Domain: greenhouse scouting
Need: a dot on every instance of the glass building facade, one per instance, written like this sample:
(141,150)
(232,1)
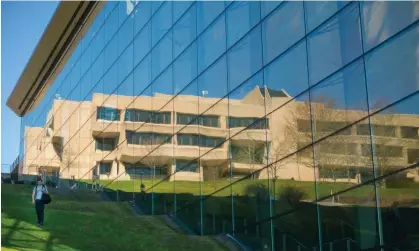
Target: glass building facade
(287,125)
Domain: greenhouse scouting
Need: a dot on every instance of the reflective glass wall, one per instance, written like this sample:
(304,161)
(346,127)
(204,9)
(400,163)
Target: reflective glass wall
(287,125)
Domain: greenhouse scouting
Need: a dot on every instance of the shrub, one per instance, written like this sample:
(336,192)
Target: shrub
(7,180)
(292,194)
(260,191)
(401,183)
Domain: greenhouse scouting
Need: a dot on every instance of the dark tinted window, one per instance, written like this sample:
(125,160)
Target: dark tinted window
(328,126)
(412,155)
(105,144)
(142,170)
(303,125)
(105,168)
(251,123)
(148,116)
(378,130)
(192,119)
(337,172)
(187,165)
(409,132)
(146,138)
(382,150)
(339,148)
(108,113)
(199,140)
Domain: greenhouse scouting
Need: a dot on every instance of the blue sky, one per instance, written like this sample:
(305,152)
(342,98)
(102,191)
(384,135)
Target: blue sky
(22,25)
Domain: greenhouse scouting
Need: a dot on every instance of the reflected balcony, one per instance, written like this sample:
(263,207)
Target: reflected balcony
(48,163)
(148,127)
(246,167)
(203,130)
(103,128)
(135,153)
(186,176)
(256,135)
(164,154)
(105,155)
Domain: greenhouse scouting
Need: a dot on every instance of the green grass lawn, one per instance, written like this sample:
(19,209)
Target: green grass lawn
(81,221)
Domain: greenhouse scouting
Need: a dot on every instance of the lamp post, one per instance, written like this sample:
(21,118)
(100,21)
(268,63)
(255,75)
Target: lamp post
(142,185)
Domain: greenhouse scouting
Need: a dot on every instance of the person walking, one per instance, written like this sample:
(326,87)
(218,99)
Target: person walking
(37,193)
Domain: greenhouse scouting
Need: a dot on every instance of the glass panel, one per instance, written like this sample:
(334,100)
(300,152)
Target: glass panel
(390,148)
(111,53)
(217,209)
(247,148)
(397,211)
(98,43)
(339,101)
(241,17)
(213,82)
(184,31)
(288,74)
(125,64)
(185,67)
(188,174)
(213,103)
(110,80)
(125,33)
(245,59)
(353,227)
(381,20)
(164,85)
(111,25)
(155,5)
(125,9)
(142,15)
(268,6)
(162,21)
(282,29)
(97,70)
(142,44)
(211,44)
(142,166)
(142,76)
(161,55)
(343,161)
(179,9)
(251,205)
(398,75)
(207,13)
(318,12)
(334,44)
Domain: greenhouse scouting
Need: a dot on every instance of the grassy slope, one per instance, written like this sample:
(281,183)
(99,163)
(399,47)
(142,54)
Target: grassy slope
(82,222)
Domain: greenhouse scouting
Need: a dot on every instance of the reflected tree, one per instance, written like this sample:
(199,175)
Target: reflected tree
(385,154)
(321,117)
(251,153)
(68,162)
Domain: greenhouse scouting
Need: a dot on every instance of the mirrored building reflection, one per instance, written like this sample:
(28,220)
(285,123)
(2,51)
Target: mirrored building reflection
(262,135)
(281,125)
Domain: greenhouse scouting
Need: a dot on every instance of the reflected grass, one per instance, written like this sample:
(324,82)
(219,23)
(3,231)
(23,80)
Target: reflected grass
(324,189)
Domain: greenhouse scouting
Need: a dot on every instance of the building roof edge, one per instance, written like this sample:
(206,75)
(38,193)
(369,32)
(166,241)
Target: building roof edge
(69,23)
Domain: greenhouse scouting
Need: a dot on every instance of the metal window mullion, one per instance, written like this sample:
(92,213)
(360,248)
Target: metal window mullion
(319,229)
(377,194)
